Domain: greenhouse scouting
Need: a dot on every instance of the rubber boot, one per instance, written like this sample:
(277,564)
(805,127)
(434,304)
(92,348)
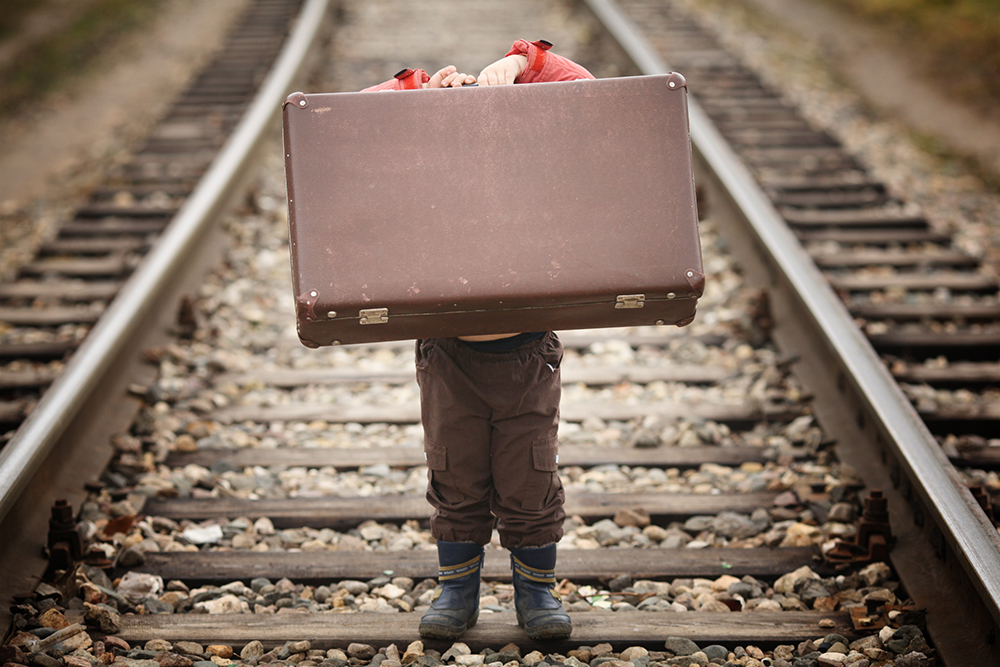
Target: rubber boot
(539,610)
(455,608)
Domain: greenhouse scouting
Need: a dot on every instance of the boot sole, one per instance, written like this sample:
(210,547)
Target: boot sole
(440,632)
(557,630)
(437,631)
(551,632)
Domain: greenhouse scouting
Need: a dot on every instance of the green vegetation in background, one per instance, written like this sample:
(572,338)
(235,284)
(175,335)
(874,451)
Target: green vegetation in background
(67,51)
(962,37)
(12,12)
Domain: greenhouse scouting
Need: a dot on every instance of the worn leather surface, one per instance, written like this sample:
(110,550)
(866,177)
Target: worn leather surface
(491,210)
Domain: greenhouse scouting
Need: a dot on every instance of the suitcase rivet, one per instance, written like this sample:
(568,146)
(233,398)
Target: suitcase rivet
(302,103)
(661,322)
(313,293)
(672,84)
(690,274)
(332,314)
(335,342)
(671,295)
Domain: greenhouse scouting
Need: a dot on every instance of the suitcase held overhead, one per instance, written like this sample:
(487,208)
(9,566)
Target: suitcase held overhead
(485,210)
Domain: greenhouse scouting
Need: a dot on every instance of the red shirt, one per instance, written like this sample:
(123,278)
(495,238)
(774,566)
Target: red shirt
(543,65)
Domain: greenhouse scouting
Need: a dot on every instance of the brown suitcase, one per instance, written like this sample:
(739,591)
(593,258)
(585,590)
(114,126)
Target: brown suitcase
(479,210)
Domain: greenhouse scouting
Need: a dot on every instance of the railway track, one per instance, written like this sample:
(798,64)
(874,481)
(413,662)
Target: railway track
(70,371)
(248,447)
(55,299)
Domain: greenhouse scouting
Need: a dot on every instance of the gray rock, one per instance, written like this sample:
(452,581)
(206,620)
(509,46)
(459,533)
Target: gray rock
(143,653)
(597,662)
(154,606)
(132,557)
(716,652)
(620,583)
(652,603)
(609,533)
(361,651)
(44,660)
(104,618)
(377,470)
(353,587)
(697,524)
(97,577)
(761,518)
(741,588)
(322,594)
(675,539)
(859,645)
(189,648)
(680,646)
(254,649)
(902,637)
(298,646)
(687,661)
(841,513)
(914,659)
(646,440)
(810,589)
(734,525)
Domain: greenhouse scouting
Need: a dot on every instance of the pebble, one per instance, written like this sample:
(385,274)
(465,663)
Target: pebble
(251,650)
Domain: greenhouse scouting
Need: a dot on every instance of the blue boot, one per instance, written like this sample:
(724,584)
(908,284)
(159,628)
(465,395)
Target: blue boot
(455,608)
(539,610)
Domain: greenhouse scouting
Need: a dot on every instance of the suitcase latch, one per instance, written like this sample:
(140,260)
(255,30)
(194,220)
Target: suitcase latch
(374,316)
(630,301)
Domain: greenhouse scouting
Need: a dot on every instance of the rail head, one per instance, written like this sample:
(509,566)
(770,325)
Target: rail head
(974,540)
(34,440)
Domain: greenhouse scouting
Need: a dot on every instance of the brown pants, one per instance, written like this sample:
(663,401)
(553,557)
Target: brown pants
(490,424)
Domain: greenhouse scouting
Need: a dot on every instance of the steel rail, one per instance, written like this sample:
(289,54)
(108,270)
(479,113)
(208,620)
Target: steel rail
(21,458)
(974,540)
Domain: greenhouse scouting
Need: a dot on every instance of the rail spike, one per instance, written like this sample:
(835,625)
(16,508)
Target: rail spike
(873,539)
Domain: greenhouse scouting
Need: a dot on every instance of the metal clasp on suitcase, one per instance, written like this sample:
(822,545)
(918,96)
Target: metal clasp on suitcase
(374,316)
(630,301)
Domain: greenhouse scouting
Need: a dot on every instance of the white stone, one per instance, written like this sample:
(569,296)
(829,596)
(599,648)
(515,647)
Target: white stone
(227,604)
(138,585)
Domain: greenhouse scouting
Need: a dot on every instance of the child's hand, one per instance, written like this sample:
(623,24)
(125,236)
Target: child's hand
(503,71)
(449,77)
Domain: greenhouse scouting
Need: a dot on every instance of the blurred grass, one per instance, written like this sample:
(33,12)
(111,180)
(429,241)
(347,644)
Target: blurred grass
(12,12)
(961,38)
(49,60)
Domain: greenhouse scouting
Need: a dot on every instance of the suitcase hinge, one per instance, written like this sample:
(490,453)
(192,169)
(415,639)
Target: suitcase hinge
(630,301)
(374,316)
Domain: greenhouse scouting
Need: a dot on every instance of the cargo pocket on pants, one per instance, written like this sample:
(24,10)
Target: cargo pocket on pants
(439,480)
(435,455)
(545,466)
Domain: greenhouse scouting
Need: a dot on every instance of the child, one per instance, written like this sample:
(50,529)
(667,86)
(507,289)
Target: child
(490,410)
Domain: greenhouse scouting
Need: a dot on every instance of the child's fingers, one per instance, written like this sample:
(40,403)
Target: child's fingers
(502,72)
(438,79)
(456,79)
(488,77)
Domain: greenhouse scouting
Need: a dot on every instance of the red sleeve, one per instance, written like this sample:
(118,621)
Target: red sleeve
(406,79)
(543,65)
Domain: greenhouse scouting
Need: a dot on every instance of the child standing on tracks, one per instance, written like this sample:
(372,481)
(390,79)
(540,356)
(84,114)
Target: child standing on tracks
(490,411)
